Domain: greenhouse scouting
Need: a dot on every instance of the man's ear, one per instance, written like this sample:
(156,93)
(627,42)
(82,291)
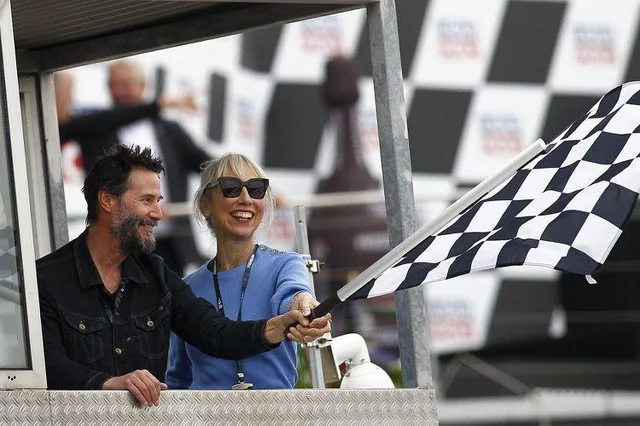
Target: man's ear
(106,201)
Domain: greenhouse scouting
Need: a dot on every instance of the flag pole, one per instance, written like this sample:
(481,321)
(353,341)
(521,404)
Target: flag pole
(395,254)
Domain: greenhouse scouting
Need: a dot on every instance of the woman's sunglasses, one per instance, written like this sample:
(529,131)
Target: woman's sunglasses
(232,187)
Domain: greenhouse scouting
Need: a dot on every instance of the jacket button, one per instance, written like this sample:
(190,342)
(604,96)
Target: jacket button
(150,323)
(161,308)
(118,351)
(82,327)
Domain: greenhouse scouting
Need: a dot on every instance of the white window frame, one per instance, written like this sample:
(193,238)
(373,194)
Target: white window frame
(35,377)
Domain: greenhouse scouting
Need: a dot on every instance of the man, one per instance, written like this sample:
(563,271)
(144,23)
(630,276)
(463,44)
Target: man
(108,305)
(167,139)
(95,125)
(89,129)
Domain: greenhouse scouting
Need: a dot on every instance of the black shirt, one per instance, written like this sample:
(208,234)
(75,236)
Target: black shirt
(84,345)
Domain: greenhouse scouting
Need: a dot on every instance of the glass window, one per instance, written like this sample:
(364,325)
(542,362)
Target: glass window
(13,338)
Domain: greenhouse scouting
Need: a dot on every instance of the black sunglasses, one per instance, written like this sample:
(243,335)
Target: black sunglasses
(232,187)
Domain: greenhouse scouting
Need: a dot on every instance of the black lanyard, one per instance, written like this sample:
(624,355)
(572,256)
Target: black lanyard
(245,281)
(116,302)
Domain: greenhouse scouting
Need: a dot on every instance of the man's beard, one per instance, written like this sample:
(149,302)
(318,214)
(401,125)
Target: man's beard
(125,226)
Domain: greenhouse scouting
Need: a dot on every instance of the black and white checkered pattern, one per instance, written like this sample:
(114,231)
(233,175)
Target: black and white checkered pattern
(482,80)
(564,210)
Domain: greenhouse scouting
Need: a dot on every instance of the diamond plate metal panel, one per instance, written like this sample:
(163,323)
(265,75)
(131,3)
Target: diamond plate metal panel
(299,407)
(19,407)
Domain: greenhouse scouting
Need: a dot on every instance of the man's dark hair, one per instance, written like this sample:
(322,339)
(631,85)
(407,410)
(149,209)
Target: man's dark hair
(111,172)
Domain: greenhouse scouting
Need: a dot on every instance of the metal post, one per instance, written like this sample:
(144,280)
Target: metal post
(51,147)
(302,246)
(411,310)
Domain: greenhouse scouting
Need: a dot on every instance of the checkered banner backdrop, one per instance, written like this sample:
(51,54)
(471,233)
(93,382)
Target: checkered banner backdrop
(482,79)
(564,210)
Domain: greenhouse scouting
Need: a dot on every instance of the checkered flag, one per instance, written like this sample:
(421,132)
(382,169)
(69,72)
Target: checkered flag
(565,209)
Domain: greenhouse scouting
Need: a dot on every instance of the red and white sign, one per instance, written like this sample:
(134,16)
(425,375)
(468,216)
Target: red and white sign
(457,45)
(460,311)
(305,46)
(594,45)
(502,122)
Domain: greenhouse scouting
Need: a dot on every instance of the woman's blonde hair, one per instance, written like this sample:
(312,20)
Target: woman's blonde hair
(213,170)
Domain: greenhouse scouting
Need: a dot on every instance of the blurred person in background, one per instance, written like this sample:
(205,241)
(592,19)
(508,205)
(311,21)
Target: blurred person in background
(168,139)
(245,280)
(80,128)
(73,125)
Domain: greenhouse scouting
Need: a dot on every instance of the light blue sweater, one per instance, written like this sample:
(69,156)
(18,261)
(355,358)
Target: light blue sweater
(276,277)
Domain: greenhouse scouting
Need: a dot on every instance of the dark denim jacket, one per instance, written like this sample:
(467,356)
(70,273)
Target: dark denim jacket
(83,347)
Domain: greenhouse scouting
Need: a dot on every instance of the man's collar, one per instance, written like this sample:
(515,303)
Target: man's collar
(88,272)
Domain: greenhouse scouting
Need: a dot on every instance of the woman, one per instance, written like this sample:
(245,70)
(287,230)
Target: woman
(244,280)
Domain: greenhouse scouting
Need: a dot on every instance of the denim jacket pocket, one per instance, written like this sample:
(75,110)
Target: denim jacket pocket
(86,337)
(151,331)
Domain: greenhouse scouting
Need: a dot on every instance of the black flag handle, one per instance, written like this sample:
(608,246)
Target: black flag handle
(319,311)
(324,308)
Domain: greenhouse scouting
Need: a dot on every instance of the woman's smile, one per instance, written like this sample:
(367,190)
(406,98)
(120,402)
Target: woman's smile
(242,215)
